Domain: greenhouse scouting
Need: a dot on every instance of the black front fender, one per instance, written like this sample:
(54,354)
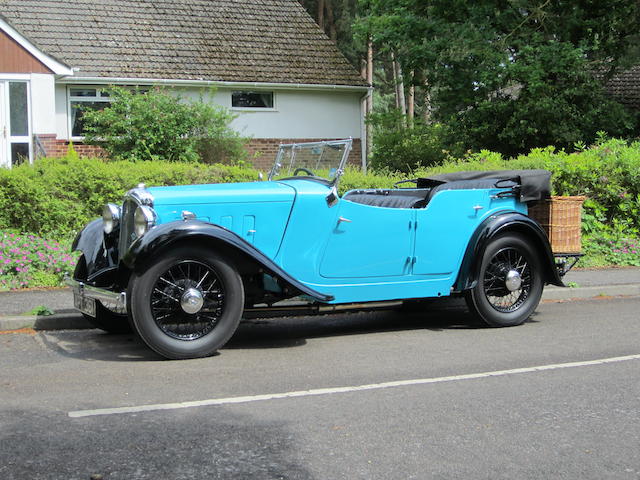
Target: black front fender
(167,234)
(502,223)
(100,253)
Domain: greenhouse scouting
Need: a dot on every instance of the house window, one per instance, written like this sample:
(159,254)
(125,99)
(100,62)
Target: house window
(246,99)
(82,99)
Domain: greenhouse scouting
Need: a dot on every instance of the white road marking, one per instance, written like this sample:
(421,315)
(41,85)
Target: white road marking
(356,388)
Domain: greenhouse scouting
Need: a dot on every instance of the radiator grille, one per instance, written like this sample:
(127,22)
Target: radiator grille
(127,234)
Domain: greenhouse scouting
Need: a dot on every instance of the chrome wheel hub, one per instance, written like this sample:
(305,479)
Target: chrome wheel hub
(513,281)
(192,301)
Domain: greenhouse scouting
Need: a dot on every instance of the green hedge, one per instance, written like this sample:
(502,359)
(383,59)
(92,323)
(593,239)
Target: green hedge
(56,197)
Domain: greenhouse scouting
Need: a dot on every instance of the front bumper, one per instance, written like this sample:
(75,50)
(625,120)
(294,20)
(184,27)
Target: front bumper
(113,300)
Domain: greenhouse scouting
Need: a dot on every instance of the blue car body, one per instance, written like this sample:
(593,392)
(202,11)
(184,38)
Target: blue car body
(295,237)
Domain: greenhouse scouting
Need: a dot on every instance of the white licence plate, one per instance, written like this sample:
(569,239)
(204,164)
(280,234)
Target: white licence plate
(84,304)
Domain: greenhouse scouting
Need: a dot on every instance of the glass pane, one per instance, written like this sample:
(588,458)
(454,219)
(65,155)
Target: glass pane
(18,109)
(321,159)
(252,99)
(82,92)
(19,153)
(77,124)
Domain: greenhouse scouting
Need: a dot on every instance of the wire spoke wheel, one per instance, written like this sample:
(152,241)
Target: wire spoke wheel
(187,300)
(509,283)
(507,280)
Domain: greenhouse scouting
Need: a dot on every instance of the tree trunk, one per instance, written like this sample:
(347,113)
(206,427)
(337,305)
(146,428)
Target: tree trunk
(395,80)
(411,102)
(369,101)
(427,103)
(320,13)
(399,81)
(331,24)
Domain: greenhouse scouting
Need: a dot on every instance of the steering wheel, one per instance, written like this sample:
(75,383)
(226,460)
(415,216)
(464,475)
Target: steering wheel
(303,170)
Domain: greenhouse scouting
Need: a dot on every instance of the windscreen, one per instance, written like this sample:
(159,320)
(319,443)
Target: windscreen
(316,159)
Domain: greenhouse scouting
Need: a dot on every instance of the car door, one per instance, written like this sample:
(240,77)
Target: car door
(444,229)
(368,241)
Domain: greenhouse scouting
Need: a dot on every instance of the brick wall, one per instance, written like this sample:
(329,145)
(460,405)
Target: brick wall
(54,147)
(262,151)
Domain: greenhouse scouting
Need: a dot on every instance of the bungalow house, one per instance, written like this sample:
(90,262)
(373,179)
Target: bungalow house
(267,59)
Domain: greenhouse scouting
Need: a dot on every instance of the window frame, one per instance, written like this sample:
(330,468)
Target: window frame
(71,98)
(253,109)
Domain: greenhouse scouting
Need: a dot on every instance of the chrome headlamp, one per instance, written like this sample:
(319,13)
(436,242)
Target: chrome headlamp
(143,219)
(110,217)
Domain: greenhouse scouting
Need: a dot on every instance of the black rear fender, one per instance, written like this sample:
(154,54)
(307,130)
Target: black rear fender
(512,222)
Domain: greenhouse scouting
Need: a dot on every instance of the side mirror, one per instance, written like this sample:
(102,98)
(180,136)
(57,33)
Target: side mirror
(260,176)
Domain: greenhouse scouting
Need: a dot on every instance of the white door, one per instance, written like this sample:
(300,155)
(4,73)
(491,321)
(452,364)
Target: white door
(4,130)
(15,123)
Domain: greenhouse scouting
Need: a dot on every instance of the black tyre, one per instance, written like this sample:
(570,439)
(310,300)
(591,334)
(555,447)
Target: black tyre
(187,304)
(510,282)
(105,319)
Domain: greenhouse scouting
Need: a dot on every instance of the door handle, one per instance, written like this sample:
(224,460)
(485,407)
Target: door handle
(342,219)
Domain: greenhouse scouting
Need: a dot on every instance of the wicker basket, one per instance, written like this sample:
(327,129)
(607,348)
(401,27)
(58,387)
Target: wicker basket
(561,219)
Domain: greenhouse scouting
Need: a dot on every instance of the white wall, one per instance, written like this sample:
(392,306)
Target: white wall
(62,119)
(43,119)
(297,113)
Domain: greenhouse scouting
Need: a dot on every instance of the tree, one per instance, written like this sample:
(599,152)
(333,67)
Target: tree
(510,75)
(157,125)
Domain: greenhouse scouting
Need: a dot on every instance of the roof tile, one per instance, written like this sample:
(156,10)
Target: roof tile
(227,40)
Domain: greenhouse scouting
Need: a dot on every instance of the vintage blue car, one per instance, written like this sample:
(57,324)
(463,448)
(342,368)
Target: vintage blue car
(183,265)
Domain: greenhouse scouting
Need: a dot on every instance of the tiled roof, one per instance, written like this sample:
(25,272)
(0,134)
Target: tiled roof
(625,87)
(222,40)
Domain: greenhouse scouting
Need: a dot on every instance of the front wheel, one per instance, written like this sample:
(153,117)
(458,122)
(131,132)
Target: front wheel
(510,282)
(187,304)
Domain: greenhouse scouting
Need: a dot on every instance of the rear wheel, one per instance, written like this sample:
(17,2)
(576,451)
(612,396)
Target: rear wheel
(187,304)
(510,282)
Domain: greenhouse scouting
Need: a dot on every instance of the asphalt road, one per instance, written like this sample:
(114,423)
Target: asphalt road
(468,403)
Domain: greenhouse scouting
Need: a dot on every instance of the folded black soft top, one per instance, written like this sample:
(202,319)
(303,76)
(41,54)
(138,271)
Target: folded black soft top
(534,184)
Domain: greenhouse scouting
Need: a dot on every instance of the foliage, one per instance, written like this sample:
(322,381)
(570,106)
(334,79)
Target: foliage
(57,197)
(28,260)
(337,20)
(509,76)
(156,125)
(551,98)
(41,310)
(403,149)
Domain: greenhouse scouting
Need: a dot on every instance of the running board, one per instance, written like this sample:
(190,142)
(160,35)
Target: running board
(291,308)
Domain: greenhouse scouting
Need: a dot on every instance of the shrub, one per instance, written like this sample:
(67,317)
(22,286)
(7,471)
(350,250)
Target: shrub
(57,197)
(28,260)
(396,147)
(156,125)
